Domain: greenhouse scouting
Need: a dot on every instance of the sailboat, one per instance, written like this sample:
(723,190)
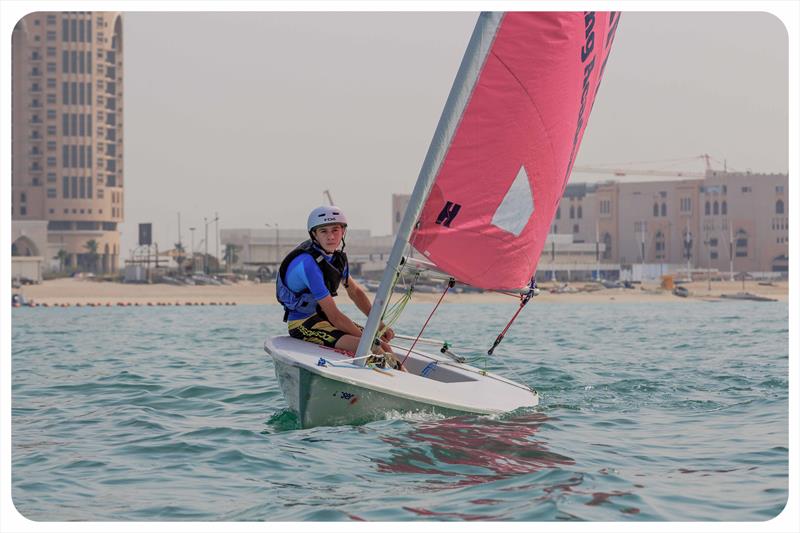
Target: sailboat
(479,215)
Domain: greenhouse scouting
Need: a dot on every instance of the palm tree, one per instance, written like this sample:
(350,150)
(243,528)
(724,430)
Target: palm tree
(62,257)
(230,256)
(92,246)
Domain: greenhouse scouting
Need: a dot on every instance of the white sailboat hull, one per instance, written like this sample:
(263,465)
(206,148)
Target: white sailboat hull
(336,391)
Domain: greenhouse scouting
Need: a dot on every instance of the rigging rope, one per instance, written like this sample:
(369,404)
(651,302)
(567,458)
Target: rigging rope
(393,312)
(447,288)
(524,299)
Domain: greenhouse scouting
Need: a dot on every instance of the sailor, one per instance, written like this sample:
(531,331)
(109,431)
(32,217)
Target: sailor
(309,278)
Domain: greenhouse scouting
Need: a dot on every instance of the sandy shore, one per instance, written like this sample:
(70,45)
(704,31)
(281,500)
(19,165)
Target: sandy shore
(71,291)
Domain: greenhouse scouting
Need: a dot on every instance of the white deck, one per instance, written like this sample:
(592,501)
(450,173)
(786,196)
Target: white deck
(448,385)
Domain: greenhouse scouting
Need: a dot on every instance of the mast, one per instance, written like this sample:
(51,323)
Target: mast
(468,72)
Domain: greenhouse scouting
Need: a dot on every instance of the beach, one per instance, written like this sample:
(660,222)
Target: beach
(86,292)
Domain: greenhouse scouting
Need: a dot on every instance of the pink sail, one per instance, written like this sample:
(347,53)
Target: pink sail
(531,81)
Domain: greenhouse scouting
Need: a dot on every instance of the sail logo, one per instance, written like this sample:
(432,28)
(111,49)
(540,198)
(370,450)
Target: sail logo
(448,213)
(587,51)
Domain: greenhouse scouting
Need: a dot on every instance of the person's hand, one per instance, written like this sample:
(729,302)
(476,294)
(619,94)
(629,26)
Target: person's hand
(393,362)
(388,334)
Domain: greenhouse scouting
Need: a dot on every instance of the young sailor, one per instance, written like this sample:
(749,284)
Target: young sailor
(309,278)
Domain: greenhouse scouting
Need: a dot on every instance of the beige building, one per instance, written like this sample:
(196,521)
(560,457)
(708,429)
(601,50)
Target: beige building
(748,215)
(67,141)
(399,204)
(736,222)
(28,238)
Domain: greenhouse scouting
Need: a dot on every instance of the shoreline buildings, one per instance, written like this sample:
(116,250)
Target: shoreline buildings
(67,140)
(721,224)
(727,222)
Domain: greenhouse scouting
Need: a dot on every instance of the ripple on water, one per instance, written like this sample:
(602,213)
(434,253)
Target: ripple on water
(175,448)
(196,391)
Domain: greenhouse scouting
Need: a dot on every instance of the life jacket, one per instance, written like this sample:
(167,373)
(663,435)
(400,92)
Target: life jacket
(304,302)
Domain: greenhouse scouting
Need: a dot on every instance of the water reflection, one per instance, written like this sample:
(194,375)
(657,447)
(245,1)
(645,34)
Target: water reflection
(469,450)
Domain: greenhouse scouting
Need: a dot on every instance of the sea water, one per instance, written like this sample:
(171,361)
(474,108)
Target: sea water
(668,411)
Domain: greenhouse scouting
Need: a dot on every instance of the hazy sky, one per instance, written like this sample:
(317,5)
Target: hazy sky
(254,115)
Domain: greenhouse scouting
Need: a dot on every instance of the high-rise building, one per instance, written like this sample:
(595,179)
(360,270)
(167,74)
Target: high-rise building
(67,141)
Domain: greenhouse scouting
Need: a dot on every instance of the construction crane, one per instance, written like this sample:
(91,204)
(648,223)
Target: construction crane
(622,172)
(639,172)
(328,194)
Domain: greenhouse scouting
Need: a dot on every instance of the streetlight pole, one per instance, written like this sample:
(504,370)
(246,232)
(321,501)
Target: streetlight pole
(642,228)
(668,251)
(687,245)
(708,258)
(216,234)
(730,247)
(193,265)
(277,240)
(206,268)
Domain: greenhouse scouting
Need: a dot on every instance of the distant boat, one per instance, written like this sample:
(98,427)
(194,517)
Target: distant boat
(479,213)
(371,286)
(562,288)
(202,279)
(747,296)
(683,292)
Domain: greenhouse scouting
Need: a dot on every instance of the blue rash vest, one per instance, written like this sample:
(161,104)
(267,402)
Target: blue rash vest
(304,275)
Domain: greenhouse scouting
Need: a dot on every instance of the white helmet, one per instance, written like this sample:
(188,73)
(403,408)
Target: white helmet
(324,215)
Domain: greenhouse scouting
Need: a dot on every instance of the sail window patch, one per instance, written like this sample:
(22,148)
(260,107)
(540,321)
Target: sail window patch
(515,210)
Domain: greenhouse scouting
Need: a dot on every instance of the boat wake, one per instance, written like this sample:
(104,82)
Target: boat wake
(283,420)
(418,416)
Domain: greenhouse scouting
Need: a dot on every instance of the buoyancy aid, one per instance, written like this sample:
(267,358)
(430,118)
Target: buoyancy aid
(304,302)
